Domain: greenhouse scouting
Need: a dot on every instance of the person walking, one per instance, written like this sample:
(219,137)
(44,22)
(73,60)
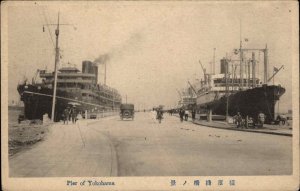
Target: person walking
(70,114)
(193,114)
(159,114)
(261,119)
(73,115)
(66,115)
(181,114)
(186,115)
(238,120)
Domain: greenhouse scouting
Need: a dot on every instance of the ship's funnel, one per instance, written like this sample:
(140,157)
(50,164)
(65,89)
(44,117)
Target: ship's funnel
(89,67)
(223,65)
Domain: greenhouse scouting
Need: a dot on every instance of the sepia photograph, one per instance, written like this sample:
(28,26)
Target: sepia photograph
(150,95)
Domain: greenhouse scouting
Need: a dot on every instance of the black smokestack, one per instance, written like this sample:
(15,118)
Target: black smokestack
(89,67)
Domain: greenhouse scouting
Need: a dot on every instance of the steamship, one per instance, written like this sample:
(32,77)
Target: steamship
(67,87)
(74,88)
(228,93)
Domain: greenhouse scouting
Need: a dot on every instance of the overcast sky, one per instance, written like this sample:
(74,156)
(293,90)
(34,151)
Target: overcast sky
(153,47)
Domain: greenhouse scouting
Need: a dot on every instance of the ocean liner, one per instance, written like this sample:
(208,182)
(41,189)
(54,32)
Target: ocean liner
(228,93)
(67,87)
(73,88)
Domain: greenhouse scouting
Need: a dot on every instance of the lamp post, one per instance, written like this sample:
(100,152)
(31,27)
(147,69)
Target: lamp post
(56,66)
(55,70)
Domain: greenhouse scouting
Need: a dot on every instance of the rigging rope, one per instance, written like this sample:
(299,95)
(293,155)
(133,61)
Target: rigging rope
(42,14)
(48,28)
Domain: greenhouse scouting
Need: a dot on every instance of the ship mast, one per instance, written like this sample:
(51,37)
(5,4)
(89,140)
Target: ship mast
(241,58)
(214,62)
(55,70)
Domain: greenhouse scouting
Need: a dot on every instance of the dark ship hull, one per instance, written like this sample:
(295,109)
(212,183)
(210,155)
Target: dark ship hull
(38,101)
(248,102)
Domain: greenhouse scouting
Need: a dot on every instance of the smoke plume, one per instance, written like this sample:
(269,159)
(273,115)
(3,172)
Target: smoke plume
(131,44)
(102,59)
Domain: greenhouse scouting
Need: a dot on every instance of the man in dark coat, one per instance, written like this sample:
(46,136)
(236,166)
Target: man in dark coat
(73,114)
(193,114)
(181,114)
(238,120)
(66,115)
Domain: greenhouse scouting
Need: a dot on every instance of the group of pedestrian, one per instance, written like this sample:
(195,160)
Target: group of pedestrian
(70,114)
(248,122)
(184,114)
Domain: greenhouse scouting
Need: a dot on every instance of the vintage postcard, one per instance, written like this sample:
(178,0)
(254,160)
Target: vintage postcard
(150,95)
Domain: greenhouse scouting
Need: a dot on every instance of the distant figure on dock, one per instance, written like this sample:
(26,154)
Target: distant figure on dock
(193,114)
(181,114)
(186,115)
(238,120)
(79,116)
(70,115)
(261,119)
(73,114)
(159,114)
(66,115)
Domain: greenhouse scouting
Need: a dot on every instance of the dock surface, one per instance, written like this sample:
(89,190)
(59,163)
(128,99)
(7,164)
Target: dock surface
(143,147)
